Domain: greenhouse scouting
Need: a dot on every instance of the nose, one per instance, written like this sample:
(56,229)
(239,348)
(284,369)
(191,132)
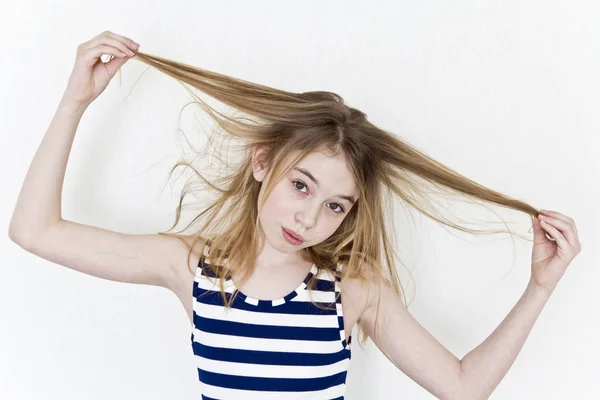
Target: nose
(309,215)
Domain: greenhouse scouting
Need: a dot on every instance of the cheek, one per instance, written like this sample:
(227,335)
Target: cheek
(280,203)
(330,229)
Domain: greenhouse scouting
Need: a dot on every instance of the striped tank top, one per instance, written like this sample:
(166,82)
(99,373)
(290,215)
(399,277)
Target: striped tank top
(269,349)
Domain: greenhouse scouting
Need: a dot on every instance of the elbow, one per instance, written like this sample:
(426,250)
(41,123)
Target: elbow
(20,237)
(472,397)
(26,237)
(462,391)
(464,394)
(15,235)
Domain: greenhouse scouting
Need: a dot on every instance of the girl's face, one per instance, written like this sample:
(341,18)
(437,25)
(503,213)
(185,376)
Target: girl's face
(312,201)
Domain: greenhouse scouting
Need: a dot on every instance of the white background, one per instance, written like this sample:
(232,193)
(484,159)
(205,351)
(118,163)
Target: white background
(505,93)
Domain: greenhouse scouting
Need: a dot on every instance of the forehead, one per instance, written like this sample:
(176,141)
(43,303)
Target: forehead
(332,172)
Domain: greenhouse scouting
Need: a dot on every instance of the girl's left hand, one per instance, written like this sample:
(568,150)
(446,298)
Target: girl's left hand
(550,258)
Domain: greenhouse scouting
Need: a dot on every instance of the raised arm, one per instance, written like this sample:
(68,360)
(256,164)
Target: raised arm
(555,245)
(422,358)
(408,345)
(39,202)
(37,224)
(426,361)
(484,367)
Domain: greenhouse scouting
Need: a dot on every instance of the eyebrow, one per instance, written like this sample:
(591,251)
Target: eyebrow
(311,176)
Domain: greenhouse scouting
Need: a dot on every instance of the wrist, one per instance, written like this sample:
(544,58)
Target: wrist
(537,290)
(72,106)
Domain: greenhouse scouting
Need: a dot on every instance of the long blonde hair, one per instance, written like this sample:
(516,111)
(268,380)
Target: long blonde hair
(293,125)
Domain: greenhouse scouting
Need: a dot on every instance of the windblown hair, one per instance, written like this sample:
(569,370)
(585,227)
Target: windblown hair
(291,126)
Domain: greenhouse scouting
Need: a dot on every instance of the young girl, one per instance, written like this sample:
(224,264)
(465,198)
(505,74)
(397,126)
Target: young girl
(294,252)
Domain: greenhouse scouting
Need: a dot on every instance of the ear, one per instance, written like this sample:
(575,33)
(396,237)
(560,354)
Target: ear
(259,164)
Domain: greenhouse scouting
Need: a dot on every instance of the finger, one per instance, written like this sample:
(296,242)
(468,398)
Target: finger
(556,235)
(90,56)
(127,41)
(540,234)
(97,36)
(107,40)
(113,65)
(538,228)
(565,228)
(564,218)
(86,45)
(120,45)
(558,215)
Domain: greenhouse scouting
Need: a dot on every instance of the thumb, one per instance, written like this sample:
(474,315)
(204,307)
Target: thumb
(113,65)
(539,234)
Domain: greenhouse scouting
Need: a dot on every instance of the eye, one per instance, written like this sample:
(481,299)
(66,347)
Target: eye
(303,184)
(341,209)
(300,182)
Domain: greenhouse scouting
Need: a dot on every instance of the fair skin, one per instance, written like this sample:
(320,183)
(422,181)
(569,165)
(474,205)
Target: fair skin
(420,356)
(401,338)
(311,210)
(37,226)
(299,204)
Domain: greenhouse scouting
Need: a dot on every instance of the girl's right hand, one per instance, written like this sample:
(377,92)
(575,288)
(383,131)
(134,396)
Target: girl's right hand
(90,75)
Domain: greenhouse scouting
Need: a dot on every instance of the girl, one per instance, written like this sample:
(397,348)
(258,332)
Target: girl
(293,253)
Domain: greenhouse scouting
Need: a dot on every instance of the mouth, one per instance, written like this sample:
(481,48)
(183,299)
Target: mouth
(294,235)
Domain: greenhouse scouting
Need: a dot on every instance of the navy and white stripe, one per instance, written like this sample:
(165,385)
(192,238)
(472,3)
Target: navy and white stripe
(269,349)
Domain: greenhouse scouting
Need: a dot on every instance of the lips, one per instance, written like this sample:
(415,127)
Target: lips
(294,234)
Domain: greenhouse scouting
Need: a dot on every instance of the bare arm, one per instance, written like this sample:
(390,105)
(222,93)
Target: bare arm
(37,224)
(485,366)
(38,227)
(39,203)
(426,361)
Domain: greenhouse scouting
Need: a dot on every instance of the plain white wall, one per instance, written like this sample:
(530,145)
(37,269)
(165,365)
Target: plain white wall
(506,93)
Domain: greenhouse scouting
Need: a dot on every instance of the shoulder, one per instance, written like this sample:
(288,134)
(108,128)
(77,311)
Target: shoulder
(361,294)
(189,246)
(366,293)
(195,240)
